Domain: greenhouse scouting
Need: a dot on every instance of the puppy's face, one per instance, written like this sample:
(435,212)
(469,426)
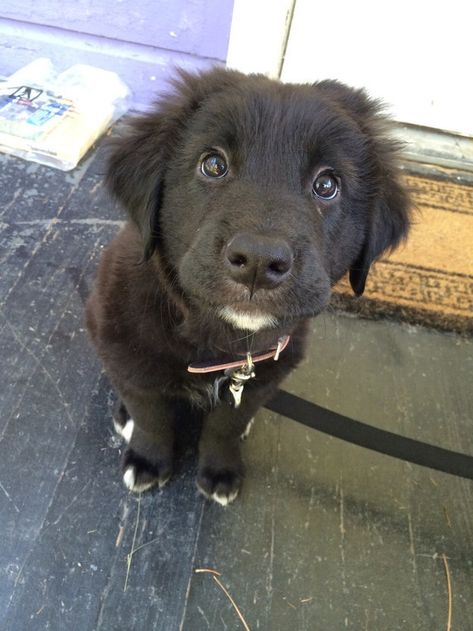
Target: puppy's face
(258,196)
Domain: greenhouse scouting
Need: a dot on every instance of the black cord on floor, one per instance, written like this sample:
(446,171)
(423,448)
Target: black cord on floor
(364,435)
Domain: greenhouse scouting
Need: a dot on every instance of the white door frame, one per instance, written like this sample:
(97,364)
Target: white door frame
(258,41)
(258,35)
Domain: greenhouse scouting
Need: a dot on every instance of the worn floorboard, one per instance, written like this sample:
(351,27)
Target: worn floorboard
(325,535)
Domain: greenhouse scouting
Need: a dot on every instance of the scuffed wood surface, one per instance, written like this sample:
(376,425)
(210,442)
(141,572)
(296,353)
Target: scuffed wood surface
(325,535)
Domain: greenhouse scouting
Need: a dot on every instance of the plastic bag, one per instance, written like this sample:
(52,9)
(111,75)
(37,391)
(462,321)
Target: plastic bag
(53,118)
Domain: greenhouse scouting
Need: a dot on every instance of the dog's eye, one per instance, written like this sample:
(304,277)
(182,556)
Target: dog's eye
(325,185)
(213,165)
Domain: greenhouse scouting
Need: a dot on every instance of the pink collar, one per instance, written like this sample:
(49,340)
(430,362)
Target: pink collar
(272,353)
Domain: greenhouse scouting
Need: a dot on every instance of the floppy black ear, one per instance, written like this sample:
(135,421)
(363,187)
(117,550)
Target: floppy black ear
(135,175)
(388,218)
(387,226)
(137,165)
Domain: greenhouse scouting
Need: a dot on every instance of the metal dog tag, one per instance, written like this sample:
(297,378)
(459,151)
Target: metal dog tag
(236,390)
(238,378)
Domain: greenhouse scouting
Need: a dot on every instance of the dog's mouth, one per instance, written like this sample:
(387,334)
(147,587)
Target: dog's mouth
(248,309)
(261,312)
(237,306)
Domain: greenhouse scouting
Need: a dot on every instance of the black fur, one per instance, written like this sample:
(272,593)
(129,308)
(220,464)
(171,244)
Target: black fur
(162,281)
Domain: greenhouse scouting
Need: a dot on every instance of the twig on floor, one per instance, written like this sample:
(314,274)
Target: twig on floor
(147,543)
(240,615)
(119,538)
(129,556)
(204,569)
(450,595)
(447,517)
(215,574)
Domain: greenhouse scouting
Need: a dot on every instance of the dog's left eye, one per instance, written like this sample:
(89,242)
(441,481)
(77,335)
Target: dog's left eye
(325,186)
(214,165)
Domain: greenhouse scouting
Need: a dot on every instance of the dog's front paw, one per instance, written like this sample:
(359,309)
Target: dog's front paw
(140,474)
(220,485)
(220,473)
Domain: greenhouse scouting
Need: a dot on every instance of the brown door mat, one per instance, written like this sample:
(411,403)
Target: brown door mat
(429,279)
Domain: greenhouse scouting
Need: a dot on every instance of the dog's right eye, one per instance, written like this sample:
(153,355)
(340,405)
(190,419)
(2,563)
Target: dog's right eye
(213,165)
(325,185)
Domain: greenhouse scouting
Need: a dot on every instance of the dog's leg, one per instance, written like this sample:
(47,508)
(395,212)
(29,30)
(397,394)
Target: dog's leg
(147,460)
(221,471)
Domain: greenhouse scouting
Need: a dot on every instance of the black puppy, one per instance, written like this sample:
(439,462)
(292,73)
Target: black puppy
(248,199)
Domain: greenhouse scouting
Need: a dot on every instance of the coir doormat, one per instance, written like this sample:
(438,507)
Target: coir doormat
(429,279)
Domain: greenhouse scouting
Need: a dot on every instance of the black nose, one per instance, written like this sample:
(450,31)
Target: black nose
(258,261)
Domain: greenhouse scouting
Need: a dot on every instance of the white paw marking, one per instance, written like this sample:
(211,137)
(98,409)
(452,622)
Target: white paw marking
(247,321)
(247,431)
(117,427)
(126,431)
(221,498)
(129,480)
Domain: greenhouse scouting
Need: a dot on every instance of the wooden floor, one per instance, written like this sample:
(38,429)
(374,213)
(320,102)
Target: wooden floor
(325,535)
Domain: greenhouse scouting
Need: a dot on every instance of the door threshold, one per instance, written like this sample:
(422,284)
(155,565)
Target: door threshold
(432,151)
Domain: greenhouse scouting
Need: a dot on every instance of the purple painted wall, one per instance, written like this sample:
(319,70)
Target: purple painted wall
(141,40)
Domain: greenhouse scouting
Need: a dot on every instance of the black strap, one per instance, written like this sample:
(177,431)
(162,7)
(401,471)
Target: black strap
(380,440)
